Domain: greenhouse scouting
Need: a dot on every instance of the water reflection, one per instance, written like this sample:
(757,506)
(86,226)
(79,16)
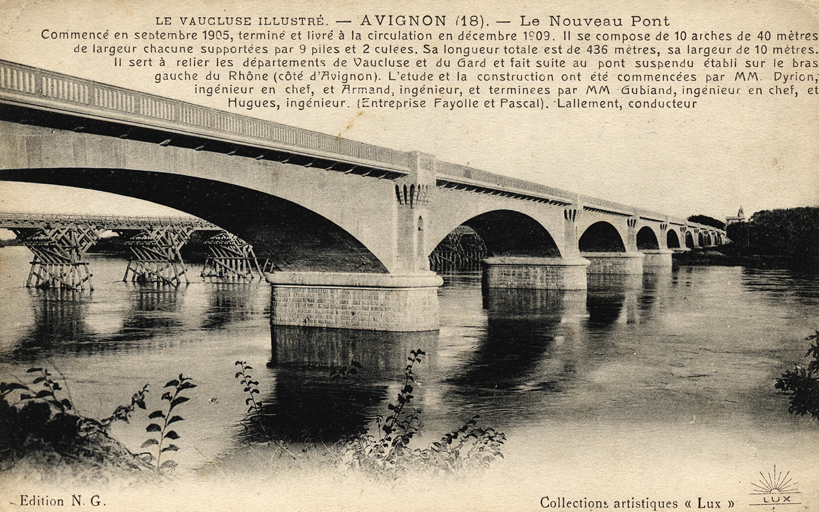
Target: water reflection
(307,404)
(520,331)
(153,309)
(59,318)
(654,293)
(229,302)
(605,299)
(654,352)
(775,284)
(383,355)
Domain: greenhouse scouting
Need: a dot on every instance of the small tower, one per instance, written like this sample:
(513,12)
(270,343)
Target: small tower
(740,217)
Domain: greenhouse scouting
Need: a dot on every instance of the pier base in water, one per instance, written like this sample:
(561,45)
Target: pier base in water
(657,261)
(614,262)
(535,273)
(374,302)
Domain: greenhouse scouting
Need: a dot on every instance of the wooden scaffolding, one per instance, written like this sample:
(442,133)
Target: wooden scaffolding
(231,258)
(462,250)
(58,250)
(155,254)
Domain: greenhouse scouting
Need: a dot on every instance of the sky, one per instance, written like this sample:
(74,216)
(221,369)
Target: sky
(759,153)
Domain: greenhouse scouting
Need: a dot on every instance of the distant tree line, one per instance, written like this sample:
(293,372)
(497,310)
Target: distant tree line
(708,221)
(791,233)
(10,242)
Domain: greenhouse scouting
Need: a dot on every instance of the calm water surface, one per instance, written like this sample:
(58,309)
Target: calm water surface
(661,374)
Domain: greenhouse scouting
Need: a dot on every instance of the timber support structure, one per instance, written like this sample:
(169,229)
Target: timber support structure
(230,258)
(155,254)
(58,250)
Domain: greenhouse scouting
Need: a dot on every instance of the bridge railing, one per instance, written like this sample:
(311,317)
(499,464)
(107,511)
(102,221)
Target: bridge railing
(472,174)
(85,96)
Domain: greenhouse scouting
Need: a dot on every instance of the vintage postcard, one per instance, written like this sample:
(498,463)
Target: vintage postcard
(383,255)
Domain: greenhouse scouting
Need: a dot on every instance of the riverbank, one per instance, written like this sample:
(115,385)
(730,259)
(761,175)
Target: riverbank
(725,257)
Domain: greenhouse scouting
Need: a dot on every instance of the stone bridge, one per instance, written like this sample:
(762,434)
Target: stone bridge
(350,225)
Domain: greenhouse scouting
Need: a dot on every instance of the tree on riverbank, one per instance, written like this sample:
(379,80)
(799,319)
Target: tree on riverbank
(802,384)
(791,233)
(708,221)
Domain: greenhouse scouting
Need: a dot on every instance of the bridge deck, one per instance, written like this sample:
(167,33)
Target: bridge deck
(203,128)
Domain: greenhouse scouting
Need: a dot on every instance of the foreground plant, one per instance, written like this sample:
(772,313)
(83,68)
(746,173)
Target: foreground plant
(345,373)
(124,412)
(388,453)
(802,384)
(395,431)
(42,423)
(254,407)
(174,399)
(251,387)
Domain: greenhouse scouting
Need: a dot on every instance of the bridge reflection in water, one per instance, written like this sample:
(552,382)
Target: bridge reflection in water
(308,404)
(508,346)
(59,315)
(502,353)
(567,376)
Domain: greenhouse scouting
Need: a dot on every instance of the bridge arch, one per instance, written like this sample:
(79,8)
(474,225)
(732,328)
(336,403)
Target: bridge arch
(511,233)
(689,240)
(293,236)
(601,237)
(647,239)
(672,241)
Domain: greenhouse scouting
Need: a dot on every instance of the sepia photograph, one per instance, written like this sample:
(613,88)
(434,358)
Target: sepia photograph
(380,255)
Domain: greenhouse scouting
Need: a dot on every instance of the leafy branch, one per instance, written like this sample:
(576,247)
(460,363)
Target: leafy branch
(254,407)
(174,399)
(342,373)
(251,387)
(468,447)
(46,394)
(802,384)
(395,431)
(123,412)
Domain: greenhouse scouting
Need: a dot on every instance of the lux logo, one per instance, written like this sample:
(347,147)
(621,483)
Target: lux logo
(776,499)
(775,489)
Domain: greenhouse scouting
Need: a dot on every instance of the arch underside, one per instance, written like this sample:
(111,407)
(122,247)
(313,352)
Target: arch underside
(294,237)
(509,233)
(601,237)
(646,239)
(672,240)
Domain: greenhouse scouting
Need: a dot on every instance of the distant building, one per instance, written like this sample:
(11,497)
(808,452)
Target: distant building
(740,217)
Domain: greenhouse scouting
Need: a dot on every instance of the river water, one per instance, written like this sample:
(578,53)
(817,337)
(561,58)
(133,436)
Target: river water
(658,385)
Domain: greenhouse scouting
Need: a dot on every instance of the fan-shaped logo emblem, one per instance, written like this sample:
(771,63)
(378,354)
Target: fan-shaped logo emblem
(775,488)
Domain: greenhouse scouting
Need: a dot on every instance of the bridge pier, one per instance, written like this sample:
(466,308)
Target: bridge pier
(614,262)
(366,301)
(657,260)
(535,273)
